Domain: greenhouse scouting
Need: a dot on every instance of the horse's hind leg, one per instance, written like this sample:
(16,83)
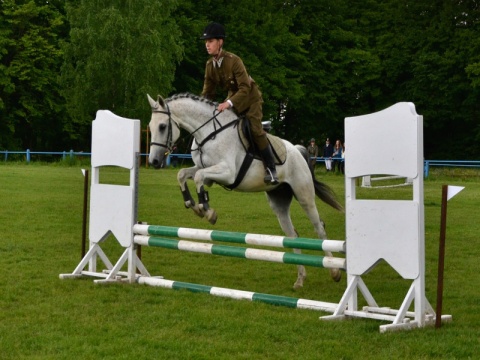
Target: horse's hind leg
(301,272)
(306,199)
(280,200)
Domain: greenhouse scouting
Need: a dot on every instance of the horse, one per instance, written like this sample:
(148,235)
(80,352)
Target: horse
(218,155)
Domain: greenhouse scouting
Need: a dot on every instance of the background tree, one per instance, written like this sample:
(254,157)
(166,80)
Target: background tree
(31,108)
(191,17)
(425,53)
(339,75)
(316,61)
(118,51)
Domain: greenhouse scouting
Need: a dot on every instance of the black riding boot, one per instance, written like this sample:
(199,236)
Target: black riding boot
(270,171)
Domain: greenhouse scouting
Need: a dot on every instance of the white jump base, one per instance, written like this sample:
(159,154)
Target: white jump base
(368,181)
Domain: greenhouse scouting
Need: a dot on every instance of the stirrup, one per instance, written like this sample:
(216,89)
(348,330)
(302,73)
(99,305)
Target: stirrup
(270,176)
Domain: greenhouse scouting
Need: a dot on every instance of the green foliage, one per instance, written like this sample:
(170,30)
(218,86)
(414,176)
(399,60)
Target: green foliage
(340,71)
(31,107)
(316,61)
(425,53)
(117,52)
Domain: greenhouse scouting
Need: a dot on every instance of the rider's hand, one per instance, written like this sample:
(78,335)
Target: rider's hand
(223,106)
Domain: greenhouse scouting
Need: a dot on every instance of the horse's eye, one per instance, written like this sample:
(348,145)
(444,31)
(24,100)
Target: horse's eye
(162,127)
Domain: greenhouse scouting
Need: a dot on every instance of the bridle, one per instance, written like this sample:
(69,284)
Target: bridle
(169,144)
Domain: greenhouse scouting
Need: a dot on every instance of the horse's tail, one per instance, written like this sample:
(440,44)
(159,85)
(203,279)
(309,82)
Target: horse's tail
(326,194)
(323,191)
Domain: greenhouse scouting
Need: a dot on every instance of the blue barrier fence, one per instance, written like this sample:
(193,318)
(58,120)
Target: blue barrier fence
(175,157)
(28,154)
(449,163)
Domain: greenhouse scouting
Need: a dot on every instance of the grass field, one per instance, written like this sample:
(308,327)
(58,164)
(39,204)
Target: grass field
(43,317)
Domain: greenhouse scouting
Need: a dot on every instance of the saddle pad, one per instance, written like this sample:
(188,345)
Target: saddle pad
(278,146)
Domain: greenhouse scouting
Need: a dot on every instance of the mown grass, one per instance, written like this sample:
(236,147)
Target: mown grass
(43,317)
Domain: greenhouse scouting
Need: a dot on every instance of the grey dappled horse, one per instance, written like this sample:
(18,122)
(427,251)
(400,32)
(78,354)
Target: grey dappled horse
(218,154)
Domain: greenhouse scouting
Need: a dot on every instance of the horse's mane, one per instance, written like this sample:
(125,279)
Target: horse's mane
(193,97)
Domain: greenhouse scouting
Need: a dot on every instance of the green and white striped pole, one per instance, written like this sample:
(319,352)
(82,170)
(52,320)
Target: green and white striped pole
(241,252)
(240,294)
(241,238)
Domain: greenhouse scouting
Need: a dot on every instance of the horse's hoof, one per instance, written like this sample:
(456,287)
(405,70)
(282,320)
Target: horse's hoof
(199,212)
(211,216)
(336,274)
(298,285)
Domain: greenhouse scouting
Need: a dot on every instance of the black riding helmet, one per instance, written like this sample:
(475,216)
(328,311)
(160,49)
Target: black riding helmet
(213,31)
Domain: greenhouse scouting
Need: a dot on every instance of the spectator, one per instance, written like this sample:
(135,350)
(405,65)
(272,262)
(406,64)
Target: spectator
(342,164)
(337,155)
(312,153)
(327,154)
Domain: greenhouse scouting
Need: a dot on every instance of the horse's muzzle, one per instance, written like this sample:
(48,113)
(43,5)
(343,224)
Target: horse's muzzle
(156,164)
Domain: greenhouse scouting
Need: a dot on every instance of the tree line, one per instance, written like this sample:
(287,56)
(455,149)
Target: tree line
(316,61)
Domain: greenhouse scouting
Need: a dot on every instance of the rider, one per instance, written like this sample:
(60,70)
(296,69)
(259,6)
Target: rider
(227,72)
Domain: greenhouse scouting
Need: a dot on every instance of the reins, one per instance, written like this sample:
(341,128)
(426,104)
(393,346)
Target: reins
(213,134)
(214,117)
(216,131)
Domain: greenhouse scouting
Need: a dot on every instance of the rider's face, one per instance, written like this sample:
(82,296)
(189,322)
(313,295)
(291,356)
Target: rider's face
(213,46)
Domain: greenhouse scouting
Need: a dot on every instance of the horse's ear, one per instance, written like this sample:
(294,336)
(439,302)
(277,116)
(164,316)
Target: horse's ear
(156,104)
(152,102)
(160,101)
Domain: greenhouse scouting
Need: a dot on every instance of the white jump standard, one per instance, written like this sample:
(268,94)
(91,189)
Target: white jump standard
(376,230)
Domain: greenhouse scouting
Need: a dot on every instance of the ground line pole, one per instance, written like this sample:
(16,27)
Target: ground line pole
(441,256)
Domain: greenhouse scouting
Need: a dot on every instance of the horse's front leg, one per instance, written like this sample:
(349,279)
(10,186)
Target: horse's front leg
(221,174)
(182,177)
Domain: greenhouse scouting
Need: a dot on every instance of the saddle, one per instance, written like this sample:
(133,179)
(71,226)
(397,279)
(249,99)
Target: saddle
(278,148)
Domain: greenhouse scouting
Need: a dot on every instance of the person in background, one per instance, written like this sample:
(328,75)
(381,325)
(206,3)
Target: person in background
(342,164)
(327,154)
(313,154)
(337,155)
(227,72)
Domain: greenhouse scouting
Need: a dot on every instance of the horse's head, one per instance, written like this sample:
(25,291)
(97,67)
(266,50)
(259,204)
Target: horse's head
(164,131)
